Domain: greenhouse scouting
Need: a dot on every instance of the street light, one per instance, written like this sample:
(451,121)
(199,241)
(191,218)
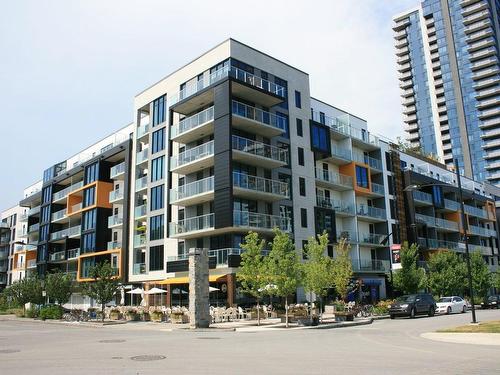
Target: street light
(464,229)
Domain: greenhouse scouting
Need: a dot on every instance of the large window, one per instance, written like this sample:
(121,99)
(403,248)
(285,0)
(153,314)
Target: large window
(88,242)
(89,220)
(320,138)
(157,168)
(47,194)
(156,228)
(45,214)
(362,177)
(158,143)
(91,173)
(159,111)
(157,197)
(156,258)
(89,197)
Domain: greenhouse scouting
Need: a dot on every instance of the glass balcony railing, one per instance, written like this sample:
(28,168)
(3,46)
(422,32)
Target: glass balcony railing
(193,154)
(192,122)
(475,211)
(4,253)
(486,250)
(334,177)
(369,211)
(422,196)
(432,243)
(260,221)
(115,220)
(63,193)
(260,149)
(258,82)
(117,170)
(340,152)
(371,238)
(335,123)
(139,268)
(446,224)
(451,205)
(259,115)
(112,245)
(68,232)
(34,211)
(115,195)
(140,211)
(33,228)
(365,159)
(58,256)
(142,130)
(73,253)
(192,189)
(377,188)
(261,184)
(75,208)
(339,206)
(370,265)
(139,240)
(480,231)
(192,224)
(141,183)
(429,220)
(58,215)
(142,156)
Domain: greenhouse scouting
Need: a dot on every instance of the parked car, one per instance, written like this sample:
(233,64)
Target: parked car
(453,304)
(412,305)
(492,302)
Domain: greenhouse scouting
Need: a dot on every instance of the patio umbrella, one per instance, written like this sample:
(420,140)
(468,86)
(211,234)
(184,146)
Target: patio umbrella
(212,289)
(138,291)
(179,291)
(155,291)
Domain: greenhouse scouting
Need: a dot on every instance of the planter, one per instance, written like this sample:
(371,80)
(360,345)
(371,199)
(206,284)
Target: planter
(144,317)
(344,317)
(115,315)
(131,317)
(314,321)
(156,317)
(179,318)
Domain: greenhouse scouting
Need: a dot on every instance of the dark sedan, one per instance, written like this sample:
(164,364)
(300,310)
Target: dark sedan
(492,302)
(412,305)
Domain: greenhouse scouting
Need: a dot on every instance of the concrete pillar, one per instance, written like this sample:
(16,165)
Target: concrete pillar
(199,312)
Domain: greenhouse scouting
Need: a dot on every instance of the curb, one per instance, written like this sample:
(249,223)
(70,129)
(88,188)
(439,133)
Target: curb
(342,324)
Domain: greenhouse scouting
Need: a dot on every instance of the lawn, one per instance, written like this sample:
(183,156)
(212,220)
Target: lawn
(485,327)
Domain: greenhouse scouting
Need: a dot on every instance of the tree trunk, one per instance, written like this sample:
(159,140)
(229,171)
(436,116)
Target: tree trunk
(102,312)
(286,312)
(258,312)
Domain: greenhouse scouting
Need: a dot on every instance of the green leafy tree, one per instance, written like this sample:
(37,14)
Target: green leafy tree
(58,286)
(481,275)
(104,284)
(27,290)
(409,278)
(283,267)
(252,271)
(318,270)
(496,281)
(447,273)
(342,268)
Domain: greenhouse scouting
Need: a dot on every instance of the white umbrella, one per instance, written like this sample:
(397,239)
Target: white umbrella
(156,291)
(212,289)
(138,291)
(178,291)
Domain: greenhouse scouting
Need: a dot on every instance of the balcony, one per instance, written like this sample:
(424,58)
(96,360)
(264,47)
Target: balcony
(339,155)
(117,172)
(4,253)
(485,250)
(196,192)
(340,207)
(377,189)
(193,159)
(142,131)
(142,157)
(141,183)
(256,89)
(476,211)
(139,268)
(59,215)
(258,154)
(435,244)
(58,256)
(63,234)
(330,179)
(116,196)
(254,187)
(446,225)
(260,222)
(375,164)
(451,205)
(31,264)
(73,254)
(371,265)
(140,211)
(115,221)
(364,139)
(140,240)
(421,198)
(194,127)
(480,231)
(371,239)
(253,119)
(369,213)
(33,228)
(114,245)
(192,227)
(62,194)
(24,217)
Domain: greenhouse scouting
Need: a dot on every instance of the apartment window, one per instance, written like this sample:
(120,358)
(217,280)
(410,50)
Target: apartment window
(390,184)
(157,197)
(304,252)
(282,120)
(320,138)
(388,161)
(89,197)
(298,99)
(158,143)
(303,217)
(392,206)
(88,242)
(156,258)
(302,186)
(180,248)
(322,118)
(89,220)
(362,177)
(301,155)
(156,228)
(157,168)
(91,173)
(44,232)
(300,131)
(45,214)
(159,110)
(47,194)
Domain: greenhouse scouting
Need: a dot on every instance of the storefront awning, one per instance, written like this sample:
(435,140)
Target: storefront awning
(185,280)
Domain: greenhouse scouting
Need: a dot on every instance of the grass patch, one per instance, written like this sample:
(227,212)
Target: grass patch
(485,327)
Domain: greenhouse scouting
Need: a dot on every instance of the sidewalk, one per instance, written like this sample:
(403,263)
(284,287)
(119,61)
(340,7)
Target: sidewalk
(464,338)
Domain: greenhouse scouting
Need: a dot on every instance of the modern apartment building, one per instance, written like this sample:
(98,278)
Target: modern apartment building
(14,263)
(233,142)
(447,55)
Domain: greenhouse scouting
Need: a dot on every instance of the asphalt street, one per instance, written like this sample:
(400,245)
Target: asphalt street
(384,347)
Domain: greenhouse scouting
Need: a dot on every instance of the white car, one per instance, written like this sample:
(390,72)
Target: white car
(453,304)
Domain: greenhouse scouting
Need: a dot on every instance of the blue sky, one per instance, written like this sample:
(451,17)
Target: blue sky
(69,69)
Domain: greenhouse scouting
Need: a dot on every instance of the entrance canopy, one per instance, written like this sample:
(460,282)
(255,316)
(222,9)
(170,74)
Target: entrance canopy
(185,280)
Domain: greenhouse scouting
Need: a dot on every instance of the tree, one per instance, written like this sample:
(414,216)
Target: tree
(103,286)
(481,275)
(252,273)
(27,290)
(496,281)
(283,267)
(318,270)
(447,274)
(342,268)
(409,278)
(58,286)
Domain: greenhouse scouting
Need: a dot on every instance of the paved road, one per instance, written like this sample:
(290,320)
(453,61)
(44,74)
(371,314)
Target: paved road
(385,347)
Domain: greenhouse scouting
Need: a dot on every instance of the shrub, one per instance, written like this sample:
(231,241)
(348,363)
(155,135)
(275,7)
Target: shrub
(156,316)
(51,312)
(382,307)
(32,312)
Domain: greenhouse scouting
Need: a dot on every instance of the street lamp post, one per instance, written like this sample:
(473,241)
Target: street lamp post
(464,230)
